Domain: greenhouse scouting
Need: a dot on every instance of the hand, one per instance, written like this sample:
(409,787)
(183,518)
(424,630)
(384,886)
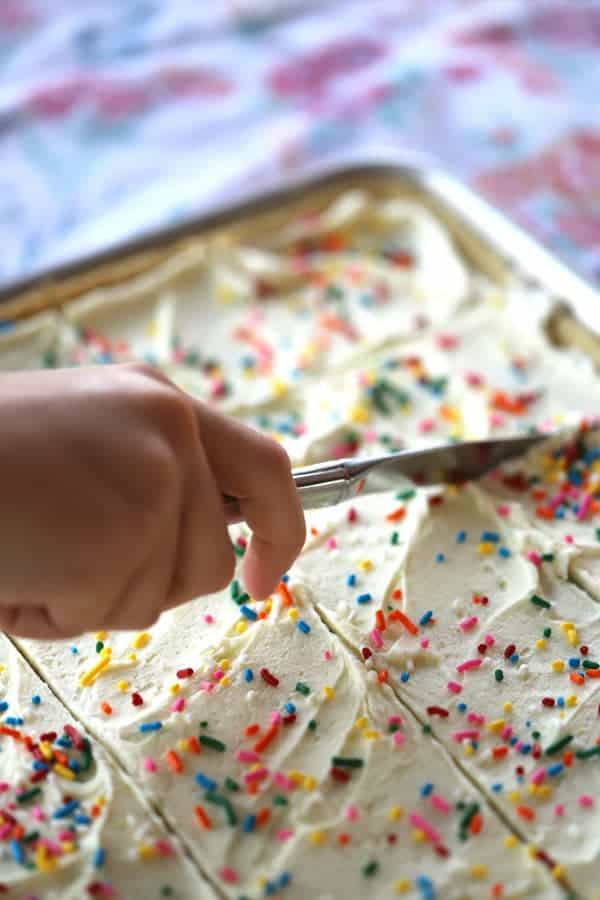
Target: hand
(111,482)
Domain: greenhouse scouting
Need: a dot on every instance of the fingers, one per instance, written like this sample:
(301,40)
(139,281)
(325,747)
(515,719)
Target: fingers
(32,622)
(256,470)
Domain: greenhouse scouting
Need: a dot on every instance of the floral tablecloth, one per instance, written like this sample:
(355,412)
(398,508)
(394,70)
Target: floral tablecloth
(119,115)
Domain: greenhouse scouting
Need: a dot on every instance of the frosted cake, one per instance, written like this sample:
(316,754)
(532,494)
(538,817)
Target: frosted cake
(415,711)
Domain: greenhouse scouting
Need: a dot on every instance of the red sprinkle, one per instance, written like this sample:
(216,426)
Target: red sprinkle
(548,701)
(137,699)
(339,775)
(508,652)
(184,673)
(437,711)
(268,678)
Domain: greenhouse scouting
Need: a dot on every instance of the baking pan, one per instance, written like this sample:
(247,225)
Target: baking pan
(488,241)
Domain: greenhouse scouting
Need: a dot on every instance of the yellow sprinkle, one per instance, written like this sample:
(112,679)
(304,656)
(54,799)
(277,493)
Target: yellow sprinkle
(122,686)
(267,606)
(370,734)
(361,722)
(558,871)
(571,700)
(182,744)
(43,861)
(140,640)
(225,681)
(309,783)
(359,415)
(293,613)
(329,692)
(451,490)
(151,329)
(225,664)
(224,293)
(64,771)
(401,886)
(2,668)
(496,725)
(540,644)
(278,387)
(468,748)
(557,665)
(566,626)
(100,800)
(572,637)
(101,635)
(418,835)
(132,657)
(478,870)
(541,791)
(365,565)
(261,882)
(510,841)
(316,837)
(507,707)
(174,688)
(92,674)
(240,626)
(46,750)
(68,846)
(514,796)
(294,775)
(146,851)
(395,813)
(485,548)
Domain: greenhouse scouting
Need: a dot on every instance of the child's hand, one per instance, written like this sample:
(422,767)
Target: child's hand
(110,500)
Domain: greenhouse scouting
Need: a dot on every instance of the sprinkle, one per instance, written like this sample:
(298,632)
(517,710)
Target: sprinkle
(268,678)
(539,601)
(468,664)
(201,818)
(461,537)
(149,726)
(149,765)
(364,598)
(467,734)
(302,688)
(174,762)
(347,762)
(468,623)
(418,821)
(439,557)
(454,687)
(248,675)
(376,639)
(351,580)
(371,868)
(304,627)
(533,557)
(204,781)
(248,613)
(212,743)
(559,745)
(425,618)
(398,616)
(585,801)
(140,640)
(228,875)
(89,677)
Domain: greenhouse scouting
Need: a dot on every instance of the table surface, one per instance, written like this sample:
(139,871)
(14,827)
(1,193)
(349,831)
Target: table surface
(121,115)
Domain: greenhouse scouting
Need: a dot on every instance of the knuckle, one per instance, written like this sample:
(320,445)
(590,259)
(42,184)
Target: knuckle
(221,568)
(275,459)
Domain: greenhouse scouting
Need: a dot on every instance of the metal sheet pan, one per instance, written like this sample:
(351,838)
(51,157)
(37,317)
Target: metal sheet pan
(489,242)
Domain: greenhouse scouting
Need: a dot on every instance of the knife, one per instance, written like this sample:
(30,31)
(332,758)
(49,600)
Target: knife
(332,482)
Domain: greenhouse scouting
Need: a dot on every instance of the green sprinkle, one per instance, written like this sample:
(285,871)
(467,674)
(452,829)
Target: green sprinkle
(212,742)
(590,664)
(598,534)
(302,688)
(30,836)
(234,589)
(370,869)
(26,796)
(166,891)
(239,551)
(279,800)
(312,725)
(547,557)
(426,729)
(203,723)
(587,754)
(536,735)
(99,646)
(241,599)
(547,632)
(498,675)
(219,800)
(394,538)
(539,601)
(463,826)
(558,745)
(347,762)
(406,495)
(230,784)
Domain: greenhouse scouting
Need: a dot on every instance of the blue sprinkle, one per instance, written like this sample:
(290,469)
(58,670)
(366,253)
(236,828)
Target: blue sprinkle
(574,477)
(39,766)
(73,650)
(6,325)
(461,537)
(3,706)
(559,513)
(490,537)
(554,769)
(270,888)
(99,857)
(425,887)
(439,557)
(16,851)
(560,701)
(65,810)
(461,707)
(426,789)
(150,726)
(497,787)
(514,658)
(574,662)
(351,580)
(284,879)
(13,721)
(426,617)
(404,677)
(248,675)
(248,823)
(364,598)
(525,749)
(81,819)
(289,708)
(248,613)
(36,699)
(303,626)
(204,781)
(285,578)
(504,552)
(513,740)
(63,741)
(73,765)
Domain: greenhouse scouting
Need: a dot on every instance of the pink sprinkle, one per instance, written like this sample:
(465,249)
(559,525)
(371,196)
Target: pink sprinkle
(424,642)
(533,557)
(394,720)
(474,379)
(398,738)
(503,510)
(275,718)
(439,803)
(178,705)
(468,664)
(557,499)
(218,388)
(228,875)
(327,655)
(283,782)
(247,756)
(376,639)
(423,825)
(585,801)
(4,786)
(475,719)
(363,379)
(489,640)
(559,809)
(538,776)
(149,764)
(206,686)
(331,543)
(38,813)
(426,425)
(284,834)
(369,436)
(163,847)
(506,732)
(497,420)
(5,830)
(52,847)
(467,734)
(519,746)
(208,618)
(351,813)
(568,538)
(454,687)
(446,341)
(255,775)
(468,623)
(584,507)
(66,835)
